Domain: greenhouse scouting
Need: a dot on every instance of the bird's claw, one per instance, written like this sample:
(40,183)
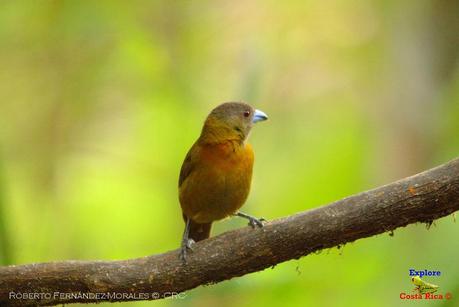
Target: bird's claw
(254,222)
(186,245)
(189,243)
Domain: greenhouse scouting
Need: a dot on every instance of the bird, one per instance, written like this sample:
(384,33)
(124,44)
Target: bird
(216,173)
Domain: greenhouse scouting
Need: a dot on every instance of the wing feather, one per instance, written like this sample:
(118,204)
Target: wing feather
(187,166)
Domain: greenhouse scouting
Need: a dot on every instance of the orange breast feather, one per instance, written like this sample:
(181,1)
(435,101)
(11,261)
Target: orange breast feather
(215,180)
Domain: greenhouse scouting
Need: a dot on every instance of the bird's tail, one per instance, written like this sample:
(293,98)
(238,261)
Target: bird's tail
(199,232)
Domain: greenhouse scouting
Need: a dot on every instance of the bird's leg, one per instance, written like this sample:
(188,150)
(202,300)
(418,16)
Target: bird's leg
(186,242)
(253,221)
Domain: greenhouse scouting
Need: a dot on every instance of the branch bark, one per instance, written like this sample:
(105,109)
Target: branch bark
(420,198)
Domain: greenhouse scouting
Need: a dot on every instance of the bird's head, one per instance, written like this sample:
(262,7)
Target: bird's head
(230,121)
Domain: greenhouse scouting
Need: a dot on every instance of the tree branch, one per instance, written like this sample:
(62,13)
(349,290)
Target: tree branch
(420,198)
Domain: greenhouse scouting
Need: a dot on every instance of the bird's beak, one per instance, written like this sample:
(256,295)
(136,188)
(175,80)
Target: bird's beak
(259,116)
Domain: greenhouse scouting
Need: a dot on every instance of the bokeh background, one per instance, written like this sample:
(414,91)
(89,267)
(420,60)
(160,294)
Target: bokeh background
(100,101)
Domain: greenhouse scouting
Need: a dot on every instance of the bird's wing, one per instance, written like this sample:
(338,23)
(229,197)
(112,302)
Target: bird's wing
(187,166)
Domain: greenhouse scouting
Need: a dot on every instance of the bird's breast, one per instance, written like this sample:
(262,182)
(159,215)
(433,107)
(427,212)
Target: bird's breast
(220,183)
(228,157)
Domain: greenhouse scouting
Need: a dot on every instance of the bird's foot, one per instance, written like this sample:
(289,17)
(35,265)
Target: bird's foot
(253,221)
(187,244)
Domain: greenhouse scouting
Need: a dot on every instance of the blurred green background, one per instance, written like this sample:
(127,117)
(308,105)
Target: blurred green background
(100,101)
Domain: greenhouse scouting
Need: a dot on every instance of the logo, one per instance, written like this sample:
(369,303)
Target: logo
(424,290)
(423,287)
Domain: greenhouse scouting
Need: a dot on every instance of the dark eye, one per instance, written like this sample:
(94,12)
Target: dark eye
(246,113)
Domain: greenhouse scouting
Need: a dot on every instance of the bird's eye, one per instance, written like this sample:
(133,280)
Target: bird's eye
(246,113)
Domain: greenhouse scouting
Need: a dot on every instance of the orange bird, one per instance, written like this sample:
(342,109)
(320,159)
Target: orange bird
(216,174)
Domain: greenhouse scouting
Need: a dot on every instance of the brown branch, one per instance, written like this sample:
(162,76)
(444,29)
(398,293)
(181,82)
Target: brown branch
(420,198)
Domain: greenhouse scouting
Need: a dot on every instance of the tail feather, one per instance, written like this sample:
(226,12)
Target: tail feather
(199,232)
